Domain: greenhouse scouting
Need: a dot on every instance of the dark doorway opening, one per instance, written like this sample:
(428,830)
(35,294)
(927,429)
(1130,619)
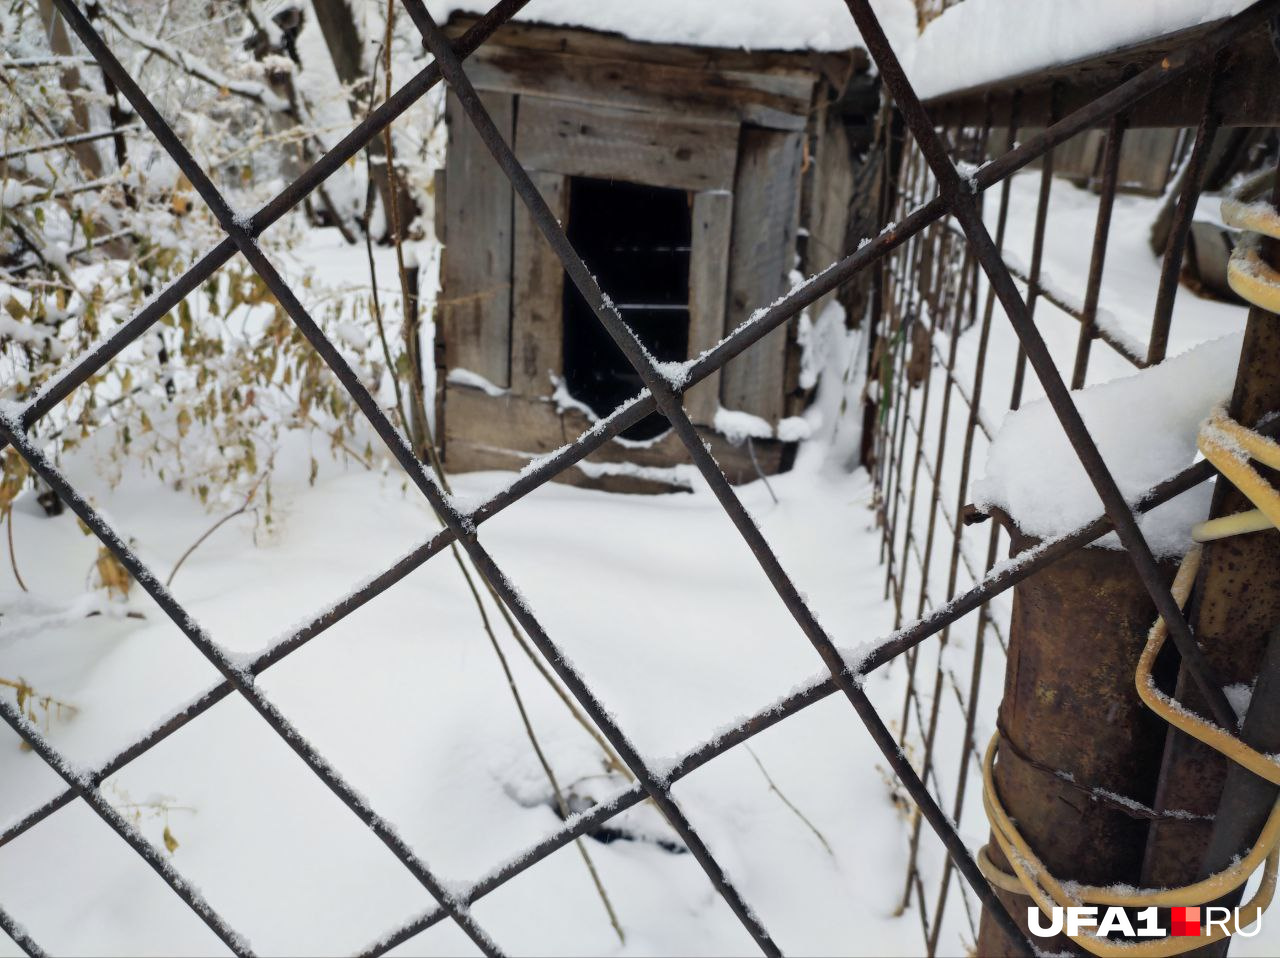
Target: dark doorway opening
(636,240)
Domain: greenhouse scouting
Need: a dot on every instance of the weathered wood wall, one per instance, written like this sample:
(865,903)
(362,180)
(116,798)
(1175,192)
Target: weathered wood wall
(475,310)
(742,133)
(766,207)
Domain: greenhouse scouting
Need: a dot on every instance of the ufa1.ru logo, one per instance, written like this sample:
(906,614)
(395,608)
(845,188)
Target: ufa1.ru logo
(1113,920)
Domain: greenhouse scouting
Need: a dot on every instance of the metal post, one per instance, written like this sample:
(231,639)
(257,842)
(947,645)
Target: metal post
(1234,607)
(1073,734)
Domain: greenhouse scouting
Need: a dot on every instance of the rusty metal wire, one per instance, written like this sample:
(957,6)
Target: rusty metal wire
(663,394)
(930,293)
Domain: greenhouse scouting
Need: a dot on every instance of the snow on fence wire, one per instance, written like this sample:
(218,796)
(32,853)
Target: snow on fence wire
(664,387)
(937,355)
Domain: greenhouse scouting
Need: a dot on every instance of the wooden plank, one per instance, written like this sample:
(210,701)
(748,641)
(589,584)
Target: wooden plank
(1078,159)
(504,421)
(506,431)
(1145,159)
(475,298)
(765,211)
(537,305)
(779,101)
(580,139)
(579,41)
(708,292)
(829,194)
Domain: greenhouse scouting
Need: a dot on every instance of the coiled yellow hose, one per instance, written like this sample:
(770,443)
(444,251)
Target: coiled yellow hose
(1231,448)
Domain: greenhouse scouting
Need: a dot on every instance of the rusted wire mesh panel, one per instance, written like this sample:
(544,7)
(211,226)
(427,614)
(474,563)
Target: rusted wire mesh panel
(944,368)
(943,247)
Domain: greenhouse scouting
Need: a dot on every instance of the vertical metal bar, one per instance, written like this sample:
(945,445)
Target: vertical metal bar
(1098,257)
(938,238)
(887,372)
(935,314)
(879,319)
(1037,252)
(902,395)
(887,365)
(925,565)
(1247,799)
(1180,228)
(960,199)
(913,656)
(975,407)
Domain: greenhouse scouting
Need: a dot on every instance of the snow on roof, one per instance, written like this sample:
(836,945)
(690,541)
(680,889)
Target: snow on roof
(733,24)
(981,41)
(1145,426)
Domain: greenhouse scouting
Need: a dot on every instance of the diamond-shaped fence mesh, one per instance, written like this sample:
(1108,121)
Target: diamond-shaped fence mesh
(939,197)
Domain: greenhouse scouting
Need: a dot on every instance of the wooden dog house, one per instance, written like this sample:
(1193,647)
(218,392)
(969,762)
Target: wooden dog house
(694,181)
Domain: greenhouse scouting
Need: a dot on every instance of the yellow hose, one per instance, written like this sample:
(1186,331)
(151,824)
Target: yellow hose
(1248,274)
(1230,447)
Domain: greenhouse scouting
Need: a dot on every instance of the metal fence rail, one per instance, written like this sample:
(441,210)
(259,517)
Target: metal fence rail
(933,296)
(956,197)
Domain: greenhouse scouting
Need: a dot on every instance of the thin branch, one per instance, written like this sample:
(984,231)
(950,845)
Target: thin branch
(28,63)
(370,191)
(418,430)
(773,787)
(751,449)
(68,141)
(13,556)
(193,66)
(561,804)
(244,507)
(427,449)
(425,442)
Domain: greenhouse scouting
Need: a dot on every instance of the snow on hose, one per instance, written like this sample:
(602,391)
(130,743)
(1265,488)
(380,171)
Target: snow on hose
(1231,448)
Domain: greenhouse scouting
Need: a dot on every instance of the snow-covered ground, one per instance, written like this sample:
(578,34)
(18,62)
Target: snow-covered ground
(655,599)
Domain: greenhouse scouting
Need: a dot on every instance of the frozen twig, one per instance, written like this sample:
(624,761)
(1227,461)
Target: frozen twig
(244,507)
(418,430)
(13,557)
(773,787)
(247,89)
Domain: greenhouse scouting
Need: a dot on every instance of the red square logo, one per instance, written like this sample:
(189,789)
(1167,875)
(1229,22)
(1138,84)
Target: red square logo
(1185,922)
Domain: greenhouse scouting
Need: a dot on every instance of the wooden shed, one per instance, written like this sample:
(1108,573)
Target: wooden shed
(694,181)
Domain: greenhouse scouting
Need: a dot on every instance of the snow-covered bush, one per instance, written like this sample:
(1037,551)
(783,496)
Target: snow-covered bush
(91,227)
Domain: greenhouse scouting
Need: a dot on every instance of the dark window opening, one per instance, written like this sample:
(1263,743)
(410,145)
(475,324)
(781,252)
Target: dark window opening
(635,239)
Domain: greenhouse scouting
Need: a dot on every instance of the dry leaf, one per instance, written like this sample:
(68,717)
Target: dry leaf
(170,842)
(111,574)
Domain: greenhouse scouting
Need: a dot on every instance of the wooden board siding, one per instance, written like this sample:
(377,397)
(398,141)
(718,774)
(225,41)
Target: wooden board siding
(828,194)
(775,100)
(505,432)
(1146,158)
(608,142)
(708,293)
(475,301)
(761,255)
(537,312)
(579,41)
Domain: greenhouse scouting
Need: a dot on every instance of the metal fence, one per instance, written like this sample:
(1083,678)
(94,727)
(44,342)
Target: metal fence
(941,289)
(972,248)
